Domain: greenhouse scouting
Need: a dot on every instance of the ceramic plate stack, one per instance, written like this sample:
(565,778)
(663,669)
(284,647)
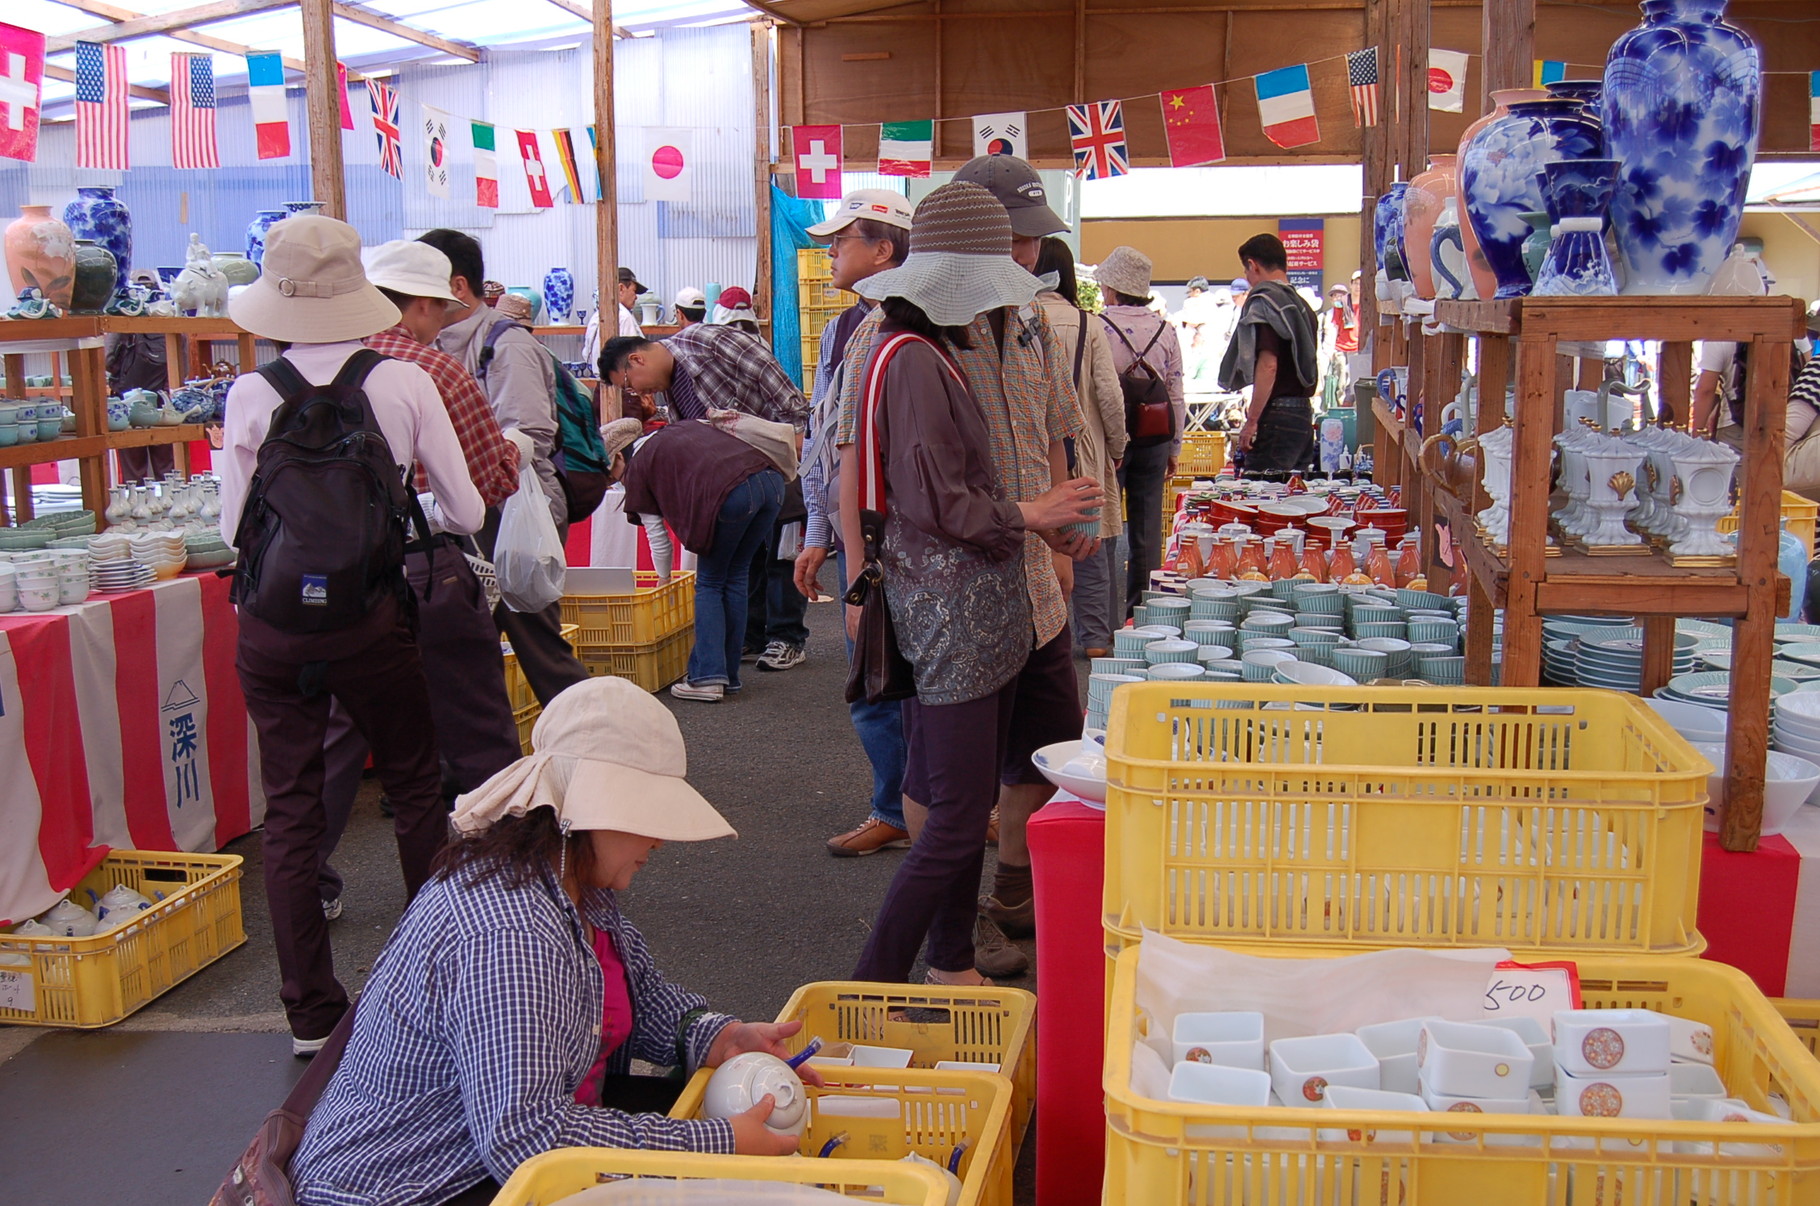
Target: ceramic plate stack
(1712,688)
(1796,727)
(162,552)
(117,577)
(207,550)
(1613,658)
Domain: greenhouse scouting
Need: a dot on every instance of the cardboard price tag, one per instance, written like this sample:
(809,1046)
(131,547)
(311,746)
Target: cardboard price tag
(18,991)
(1537,990)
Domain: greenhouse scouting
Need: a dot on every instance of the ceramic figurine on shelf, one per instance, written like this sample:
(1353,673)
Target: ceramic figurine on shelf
(200,287)
(32,304)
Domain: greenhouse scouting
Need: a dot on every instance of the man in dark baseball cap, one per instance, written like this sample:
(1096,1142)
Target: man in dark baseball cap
(1020,190)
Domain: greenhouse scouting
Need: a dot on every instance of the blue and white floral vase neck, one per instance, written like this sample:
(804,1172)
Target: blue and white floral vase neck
(558,295)
(1576,265)
(1682,110)
(263,220)
(1499,177)
(303,207)
(98,215)
(1587,92)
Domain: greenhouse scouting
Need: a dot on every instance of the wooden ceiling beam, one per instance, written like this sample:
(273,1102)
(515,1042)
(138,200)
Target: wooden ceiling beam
(360,16)
(164,23)
(161,95)
(114,12)
(586,14)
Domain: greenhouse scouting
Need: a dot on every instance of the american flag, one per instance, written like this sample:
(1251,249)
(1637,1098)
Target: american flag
(385,125)
(1097,133)
(101,117)
(193,112)
(1362,75)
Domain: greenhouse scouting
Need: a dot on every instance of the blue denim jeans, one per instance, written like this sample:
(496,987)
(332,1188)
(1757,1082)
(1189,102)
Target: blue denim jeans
(721,578)
(881,734)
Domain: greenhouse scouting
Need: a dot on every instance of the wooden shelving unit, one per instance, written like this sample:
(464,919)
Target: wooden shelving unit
(1521,338)
(77,346)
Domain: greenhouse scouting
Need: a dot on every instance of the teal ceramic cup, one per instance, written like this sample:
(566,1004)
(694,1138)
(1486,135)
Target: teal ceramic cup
(1378,628)
(1175,672)
(1362,664)
(1442,631)
(1117,665)
(1172,650)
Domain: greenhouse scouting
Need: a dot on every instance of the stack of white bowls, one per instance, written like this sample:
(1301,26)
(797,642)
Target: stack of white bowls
(163,552)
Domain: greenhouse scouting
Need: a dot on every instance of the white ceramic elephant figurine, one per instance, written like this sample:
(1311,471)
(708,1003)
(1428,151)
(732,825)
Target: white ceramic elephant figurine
(201,288)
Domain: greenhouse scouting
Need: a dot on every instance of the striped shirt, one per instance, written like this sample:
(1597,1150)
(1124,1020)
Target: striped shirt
(1027,395)
(480,1020)
(492,459)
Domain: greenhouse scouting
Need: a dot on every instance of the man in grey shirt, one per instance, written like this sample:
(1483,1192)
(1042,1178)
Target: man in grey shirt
(520,381)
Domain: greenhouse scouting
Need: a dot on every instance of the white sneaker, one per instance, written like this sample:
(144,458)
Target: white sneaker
(706,693)
(331,909)
(781,655)
(307,1048)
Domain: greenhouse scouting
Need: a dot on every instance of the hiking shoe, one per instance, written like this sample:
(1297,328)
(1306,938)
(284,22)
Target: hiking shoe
(993,956)
(331,909)
(869,838)
(781,655)
(706,692)
(1017,921)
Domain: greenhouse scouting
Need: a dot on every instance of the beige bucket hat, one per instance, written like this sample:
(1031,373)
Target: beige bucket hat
(609,756)
(313,288)
(1125,269)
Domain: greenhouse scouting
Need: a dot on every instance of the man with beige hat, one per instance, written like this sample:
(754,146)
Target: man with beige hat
(315,297)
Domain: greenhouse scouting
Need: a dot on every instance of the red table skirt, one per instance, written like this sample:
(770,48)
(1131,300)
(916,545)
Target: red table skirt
(121,725)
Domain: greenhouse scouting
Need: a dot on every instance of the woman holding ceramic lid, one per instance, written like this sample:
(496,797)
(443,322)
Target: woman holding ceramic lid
(953,563)
(504,1014)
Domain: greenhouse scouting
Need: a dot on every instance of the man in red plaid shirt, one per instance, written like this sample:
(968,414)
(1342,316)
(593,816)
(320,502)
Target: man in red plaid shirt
(475,730)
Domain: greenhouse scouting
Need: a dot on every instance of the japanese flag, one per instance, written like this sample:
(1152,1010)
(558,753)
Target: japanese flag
(1446,81)
(669,164)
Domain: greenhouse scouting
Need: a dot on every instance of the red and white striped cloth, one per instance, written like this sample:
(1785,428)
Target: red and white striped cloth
(102,120)
(121,725)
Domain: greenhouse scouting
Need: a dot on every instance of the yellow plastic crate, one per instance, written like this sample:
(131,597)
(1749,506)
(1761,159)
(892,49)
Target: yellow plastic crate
(1203,454)
(937,1112)
(525,708)
(1157,1152)
(556,1175)
(1802,514)
(652,667)
(1541,820)
(1803,1017)
(813,264)
(647,615)
(977,1025)
(91,982)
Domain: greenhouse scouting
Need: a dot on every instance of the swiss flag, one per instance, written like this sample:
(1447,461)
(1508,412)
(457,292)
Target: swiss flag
(818,160)
(21,72)
(529,151)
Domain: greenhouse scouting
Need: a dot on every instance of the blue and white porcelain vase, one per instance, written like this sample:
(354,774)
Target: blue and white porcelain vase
(262,221)
(1682,110)
(1387,233)
(1576,265)
(98,215)
(1587,92)
(297,208)
(1499,169)
(558,294)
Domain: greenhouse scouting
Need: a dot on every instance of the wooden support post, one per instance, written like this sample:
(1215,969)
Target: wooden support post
(1412,130)
(1658,652)
(1377,179)
(1528,513)
(606,214)
(322,101)
(762,283)
(1509,42)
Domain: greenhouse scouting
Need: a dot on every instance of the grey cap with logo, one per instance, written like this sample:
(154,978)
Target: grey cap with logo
(1019,189)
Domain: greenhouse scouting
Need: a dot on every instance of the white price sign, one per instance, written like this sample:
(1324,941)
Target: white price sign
(18,992)
(1537,990)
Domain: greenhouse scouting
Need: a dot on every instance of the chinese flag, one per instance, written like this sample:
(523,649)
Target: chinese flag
(1191,118)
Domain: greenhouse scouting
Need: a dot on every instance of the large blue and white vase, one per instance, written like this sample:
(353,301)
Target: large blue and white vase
(558,295)
(1500,170)
(1577,264)
(1388,228)
(96,214)
(1682,110)
(262,221)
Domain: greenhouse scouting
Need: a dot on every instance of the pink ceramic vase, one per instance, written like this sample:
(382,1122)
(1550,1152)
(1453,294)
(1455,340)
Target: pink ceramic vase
(1484,280)
(1428,194)
(41,254)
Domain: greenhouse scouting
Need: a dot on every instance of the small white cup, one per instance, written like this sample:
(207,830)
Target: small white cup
(1603,1042)
(1231,1039)
(1394,1044)
(1462,1059)
(1604,1095)
(1302,1068)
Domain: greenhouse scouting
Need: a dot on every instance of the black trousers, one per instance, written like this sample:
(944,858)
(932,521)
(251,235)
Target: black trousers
(549,664)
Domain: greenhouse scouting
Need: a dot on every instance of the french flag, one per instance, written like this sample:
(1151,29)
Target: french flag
(1286,106)
(265,93)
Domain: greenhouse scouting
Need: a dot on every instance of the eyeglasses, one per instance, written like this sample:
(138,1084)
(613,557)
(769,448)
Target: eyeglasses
(838,238)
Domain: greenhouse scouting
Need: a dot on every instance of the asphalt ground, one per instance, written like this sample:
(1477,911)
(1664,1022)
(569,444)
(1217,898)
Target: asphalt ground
(744,922)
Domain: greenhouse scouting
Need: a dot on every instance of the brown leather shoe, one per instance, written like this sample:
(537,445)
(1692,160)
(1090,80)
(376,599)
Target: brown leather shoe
(870,838)
(995,957)
(1017,921)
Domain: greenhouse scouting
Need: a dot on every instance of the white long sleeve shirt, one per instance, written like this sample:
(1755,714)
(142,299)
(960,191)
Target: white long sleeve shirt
(405,404)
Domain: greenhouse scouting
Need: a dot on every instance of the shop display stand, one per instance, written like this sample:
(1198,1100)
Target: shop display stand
(1521,336)
(77,345)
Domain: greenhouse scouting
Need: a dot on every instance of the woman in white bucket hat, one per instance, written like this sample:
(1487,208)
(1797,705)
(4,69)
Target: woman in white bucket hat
(503,1017)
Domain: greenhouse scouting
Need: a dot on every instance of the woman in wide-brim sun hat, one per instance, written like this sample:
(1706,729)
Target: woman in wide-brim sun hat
(952,555)
(503,1016)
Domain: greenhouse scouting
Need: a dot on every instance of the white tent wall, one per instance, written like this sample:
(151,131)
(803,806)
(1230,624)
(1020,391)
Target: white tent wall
(698,79)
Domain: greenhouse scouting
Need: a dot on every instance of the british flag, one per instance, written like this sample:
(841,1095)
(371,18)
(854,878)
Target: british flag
(1097,132)
(385,125)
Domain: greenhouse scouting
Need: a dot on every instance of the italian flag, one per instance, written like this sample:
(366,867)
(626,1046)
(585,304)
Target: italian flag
(486,166)
(905,148)
(1813,111)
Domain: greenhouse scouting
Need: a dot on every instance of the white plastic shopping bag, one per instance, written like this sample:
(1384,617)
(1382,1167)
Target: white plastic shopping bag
(528,557)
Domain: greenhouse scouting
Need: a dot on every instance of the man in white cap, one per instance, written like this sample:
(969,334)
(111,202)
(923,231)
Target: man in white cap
(346,633)
(475,730)
(869,233)
(691,307)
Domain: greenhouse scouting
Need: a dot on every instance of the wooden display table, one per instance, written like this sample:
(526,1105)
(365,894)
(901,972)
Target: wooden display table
(1523,335)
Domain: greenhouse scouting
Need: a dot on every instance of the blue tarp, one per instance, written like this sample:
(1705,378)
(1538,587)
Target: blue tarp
(790,222)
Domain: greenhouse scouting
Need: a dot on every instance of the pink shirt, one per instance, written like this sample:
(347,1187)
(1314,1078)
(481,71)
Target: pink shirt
(615,1019)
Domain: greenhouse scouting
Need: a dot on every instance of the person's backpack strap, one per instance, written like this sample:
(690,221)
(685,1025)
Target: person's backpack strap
(1080,346)
(499,328)
(294,390)
(871,457)
(1137,357)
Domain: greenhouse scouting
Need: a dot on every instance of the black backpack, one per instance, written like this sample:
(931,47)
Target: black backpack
(322,533)
(1149,415)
